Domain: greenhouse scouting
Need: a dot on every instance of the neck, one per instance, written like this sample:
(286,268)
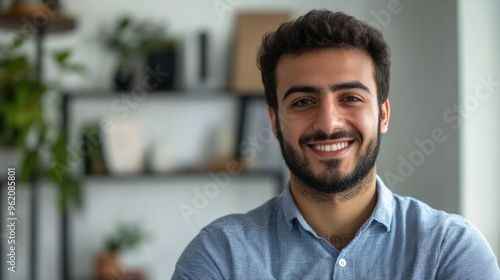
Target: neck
(337,217)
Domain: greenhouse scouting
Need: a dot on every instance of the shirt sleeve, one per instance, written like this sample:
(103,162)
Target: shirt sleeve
(465,254)
(202,258)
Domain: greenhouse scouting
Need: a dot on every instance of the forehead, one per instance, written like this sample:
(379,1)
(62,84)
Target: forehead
(324,68)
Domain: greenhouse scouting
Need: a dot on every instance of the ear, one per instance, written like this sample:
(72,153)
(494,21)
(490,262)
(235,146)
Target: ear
(272,117)
(384,116)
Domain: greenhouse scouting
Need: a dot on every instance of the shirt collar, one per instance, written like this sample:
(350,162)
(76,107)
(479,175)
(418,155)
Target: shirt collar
(382,212)
(289,207)
(384,208)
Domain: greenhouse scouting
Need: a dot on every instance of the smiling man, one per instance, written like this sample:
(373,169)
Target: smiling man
(331,118)
(326,79)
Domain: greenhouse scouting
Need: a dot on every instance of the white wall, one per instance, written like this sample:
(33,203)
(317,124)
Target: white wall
(424,85)
(479,41)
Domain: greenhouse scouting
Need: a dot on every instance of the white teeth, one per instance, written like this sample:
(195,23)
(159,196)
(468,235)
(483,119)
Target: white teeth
(331,148)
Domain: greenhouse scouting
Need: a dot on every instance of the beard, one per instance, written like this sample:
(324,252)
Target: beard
(332,181)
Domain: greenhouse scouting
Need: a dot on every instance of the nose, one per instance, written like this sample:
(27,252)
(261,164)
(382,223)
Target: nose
(329,117)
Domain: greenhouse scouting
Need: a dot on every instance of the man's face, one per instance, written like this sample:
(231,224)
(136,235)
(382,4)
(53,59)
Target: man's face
(328,120)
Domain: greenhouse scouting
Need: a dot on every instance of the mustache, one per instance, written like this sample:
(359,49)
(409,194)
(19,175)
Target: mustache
(321,136)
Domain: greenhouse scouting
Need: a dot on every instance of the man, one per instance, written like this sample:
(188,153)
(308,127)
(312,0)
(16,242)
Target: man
(326,78)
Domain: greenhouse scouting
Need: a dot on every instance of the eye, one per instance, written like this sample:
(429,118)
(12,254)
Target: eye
(302,103)
(352,99)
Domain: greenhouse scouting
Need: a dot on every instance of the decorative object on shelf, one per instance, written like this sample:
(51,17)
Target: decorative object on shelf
(131,40)
(124,39)
(220,146)
(250,27)
(123,147)
(256,128)
(203,55)
(126,236)
(196,74)
(161,65)
(160,157)
(94,158)
(124,76)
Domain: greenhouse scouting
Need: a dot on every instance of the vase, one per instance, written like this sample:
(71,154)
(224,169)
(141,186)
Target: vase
(107,266)
(124,76)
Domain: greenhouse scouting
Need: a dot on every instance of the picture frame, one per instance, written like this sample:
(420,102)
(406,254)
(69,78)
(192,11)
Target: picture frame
(250,28)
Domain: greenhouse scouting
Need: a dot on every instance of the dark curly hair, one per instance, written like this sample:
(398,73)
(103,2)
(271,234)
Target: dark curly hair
(322,29)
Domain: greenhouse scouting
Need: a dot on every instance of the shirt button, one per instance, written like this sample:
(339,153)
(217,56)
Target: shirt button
(342,262)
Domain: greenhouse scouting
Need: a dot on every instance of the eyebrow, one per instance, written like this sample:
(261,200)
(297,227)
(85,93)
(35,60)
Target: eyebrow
(334,88)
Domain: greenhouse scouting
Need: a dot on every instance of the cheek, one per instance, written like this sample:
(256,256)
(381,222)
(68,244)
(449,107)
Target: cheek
(367,124)
(292,128)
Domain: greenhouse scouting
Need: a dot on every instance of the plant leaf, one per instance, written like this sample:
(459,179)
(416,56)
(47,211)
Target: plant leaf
(18,42)
(28,167)
(61,56)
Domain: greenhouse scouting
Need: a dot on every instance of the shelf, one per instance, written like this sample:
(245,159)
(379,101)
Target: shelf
(187,94)
(101,104)
(181,175)
(19,15)
(192,117)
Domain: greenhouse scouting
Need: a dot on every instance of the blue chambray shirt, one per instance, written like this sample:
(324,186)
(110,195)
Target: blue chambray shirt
(403,239)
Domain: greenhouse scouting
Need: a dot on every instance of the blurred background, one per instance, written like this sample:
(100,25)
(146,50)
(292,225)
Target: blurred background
(131,125)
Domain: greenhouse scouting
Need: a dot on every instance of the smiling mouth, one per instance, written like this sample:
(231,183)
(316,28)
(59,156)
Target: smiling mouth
(331,147)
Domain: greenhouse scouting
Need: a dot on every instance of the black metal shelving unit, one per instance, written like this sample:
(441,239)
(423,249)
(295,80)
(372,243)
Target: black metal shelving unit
(243,100)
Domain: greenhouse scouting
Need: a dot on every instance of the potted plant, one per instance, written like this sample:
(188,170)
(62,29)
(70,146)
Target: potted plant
(131,39)
(126,236)
(23,122)
(123,39)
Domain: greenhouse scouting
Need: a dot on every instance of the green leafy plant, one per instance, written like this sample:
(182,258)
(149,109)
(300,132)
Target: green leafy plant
(23,122)
(125,237)
(130,38)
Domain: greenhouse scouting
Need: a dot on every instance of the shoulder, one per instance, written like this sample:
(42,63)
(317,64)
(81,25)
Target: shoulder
(214,251)
(421,217)
(254,220)
(426,217)
(461,251)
